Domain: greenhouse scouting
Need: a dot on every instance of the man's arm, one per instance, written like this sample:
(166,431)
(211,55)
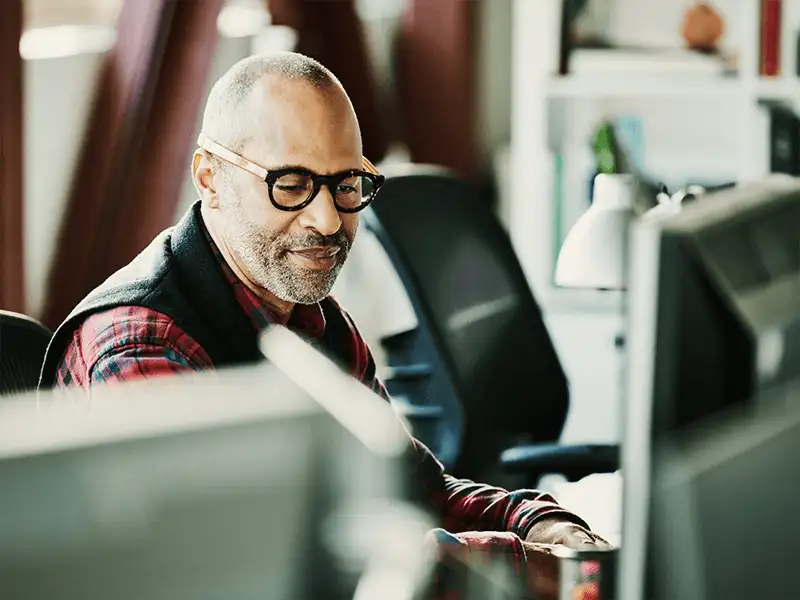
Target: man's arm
(125,344)
(143,361)
(468,506)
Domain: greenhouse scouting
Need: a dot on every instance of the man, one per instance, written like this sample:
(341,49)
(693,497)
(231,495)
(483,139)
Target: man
(281,178)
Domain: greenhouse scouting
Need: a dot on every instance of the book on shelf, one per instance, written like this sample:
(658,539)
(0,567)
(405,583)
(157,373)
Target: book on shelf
(770,55)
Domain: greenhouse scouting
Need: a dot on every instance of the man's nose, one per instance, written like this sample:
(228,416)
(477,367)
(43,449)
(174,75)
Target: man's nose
(321,214)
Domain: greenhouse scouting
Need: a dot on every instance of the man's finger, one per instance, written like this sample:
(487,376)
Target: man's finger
(583,540)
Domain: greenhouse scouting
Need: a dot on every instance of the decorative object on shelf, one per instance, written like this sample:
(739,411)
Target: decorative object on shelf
(630,133)
(607,152)
(770,58)
(703,27)
(590,42)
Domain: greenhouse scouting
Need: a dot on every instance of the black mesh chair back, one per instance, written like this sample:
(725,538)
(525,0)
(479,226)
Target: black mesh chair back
(469,292)
(23,342)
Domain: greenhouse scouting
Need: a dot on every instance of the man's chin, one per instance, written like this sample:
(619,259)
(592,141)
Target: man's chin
(312,286)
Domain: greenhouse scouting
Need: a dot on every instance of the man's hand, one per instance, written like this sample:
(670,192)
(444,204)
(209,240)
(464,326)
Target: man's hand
(565,533)
(542,579)
(542,572)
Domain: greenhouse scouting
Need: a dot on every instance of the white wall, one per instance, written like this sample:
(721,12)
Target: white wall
(58,94)
(494,75)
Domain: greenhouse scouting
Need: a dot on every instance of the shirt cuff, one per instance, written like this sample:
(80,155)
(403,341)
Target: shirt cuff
(546,512)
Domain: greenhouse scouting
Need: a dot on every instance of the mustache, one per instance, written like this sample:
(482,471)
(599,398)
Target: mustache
(339,239)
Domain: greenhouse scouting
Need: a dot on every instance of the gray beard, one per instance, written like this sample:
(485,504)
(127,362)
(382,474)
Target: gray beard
(265,257)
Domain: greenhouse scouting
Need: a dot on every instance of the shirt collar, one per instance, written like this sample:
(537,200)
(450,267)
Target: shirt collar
(306,319)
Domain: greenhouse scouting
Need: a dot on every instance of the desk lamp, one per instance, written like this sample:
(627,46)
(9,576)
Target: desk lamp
(594,253)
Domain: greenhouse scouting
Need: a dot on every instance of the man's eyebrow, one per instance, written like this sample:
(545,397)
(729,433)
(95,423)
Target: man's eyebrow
(312,171)
(295,167)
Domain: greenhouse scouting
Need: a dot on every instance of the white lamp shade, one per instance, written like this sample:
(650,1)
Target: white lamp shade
(594,253)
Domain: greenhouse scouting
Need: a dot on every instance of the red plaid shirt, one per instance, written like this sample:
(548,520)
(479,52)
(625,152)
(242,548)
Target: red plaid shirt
(132,342)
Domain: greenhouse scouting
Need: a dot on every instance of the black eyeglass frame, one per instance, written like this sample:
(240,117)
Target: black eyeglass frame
(270,177)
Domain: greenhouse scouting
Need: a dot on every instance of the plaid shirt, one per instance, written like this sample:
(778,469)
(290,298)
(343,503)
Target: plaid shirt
(132,342)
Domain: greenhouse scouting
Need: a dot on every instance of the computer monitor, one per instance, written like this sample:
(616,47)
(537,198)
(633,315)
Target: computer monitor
(724,507)
(714,326)
(256,483)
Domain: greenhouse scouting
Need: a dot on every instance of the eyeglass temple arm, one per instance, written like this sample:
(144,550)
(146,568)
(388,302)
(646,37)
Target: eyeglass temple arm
(209,145)
(229,156)
(368,166)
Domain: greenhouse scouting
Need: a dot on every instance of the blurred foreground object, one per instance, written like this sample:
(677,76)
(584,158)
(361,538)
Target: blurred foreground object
(201,486)
(586,574)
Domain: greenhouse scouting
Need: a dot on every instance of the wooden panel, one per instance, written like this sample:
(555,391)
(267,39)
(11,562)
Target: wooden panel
(332,33)
(134,159)
(436,83)
(12,291)
(152,181)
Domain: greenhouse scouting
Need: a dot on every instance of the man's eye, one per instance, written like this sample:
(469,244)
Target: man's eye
(347,189)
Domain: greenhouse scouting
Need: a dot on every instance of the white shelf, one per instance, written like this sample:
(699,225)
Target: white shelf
(624,86)
(594,86)
(783,88)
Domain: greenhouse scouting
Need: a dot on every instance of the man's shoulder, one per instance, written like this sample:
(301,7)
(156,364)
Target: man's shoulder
(125,326)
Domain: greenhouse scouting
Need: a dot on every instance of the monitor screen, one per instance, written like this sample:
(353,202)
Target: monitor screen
(714,326)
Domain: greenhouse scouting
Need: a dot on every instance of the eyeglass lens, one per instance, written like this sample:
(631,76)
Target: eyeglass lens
(292,189)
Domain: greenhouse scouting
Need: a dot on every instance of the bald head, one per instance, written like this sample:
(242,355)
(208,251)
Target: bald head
(239,101)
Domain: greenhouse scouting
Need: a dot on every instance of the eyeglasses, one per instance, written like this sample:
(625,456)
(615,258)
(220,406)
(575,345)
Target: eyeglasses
(294,188)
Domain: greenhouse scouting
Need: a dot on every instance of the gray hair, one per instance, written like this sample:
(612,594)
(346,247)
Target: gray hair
(226,119)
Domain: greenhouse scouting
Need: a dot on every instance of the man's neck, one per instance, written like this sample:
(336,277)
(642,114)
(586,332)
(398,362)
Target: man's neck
(281,309)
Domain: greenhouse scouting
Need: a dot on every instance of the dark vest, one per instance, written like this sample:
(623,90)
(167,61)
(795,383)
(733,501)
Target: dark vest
(178,275)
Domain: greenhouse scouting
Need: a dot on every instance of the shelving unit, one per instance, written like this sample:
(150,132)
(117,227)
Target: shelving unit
(536,89)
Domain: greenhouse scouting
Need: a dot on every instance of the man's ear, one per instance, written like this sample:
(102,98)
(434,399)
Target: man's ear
(203,178)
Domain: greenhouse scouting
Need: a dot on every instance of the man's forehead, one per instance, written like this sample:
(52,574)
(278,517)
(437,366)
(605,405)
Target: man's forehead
(296,123)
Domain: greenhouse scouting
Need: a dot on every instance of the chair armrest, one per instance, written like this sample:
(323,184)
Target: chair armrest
(407,372)
(574,462)
(416,412)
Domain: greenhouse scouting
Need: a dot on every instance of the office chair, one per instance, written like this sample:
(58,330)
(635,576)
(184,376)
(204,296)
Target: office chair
(23,342)
(481,342)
